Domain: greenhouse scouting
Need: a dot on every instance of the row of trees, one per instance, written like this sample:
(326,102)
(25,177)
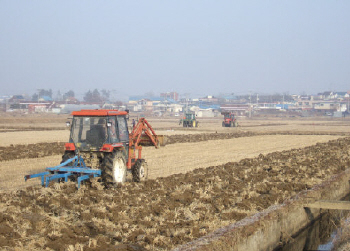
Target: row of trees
(102,96)
(94,96)
(42,93)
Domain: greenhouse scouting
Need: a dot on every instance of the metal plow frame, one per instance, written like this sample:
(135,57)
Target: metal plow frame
(79,170)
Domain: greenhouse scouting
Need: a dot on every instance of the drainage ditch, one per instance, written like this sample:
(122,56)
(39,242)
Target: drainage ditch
(317,236)
(292,223)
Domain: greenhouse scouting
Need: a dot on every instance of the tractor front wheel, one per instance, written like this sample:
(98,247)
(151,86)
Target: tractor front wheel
(114,168)
(139,171)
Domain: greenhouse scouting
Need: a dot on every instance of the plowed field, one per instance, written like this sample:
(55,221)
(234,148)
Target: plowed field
(165,212)
(209,180)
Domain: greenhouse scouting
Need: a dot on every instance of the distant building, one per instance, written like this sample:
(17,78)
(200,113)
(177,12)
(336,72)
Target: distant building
(170,95)
(237,109)
(16,98)
(45,99)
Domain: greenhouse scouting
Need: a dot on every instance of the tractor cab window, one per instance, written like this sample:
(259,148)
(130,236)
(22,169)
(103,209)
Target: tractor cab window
(112,130)
(89,130)
(190,116)
(122,129)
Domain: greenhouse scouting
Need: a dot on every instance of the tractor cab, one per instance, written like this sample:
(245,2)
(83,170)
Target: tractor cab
(91,132)
(229,117)
(190,116)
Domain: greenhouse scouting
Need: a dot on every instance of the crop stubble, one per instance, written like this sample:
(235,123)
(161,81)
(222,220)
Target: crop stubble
(171,159)
(180,158)
(170,210)
(162,213)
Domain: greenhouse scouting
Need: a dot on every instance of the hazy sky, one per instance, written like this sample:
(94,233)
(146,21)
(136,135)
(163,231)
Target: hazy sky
(194,46)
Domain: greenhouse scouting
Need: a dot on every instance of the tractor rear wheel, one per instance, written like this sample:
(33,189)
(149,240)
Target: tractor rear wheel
(114,168)
(139,171)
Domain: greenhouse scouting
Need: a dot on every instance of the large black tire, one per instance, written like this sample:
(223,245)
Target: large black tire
(139,171)
(114,168)
(67,155)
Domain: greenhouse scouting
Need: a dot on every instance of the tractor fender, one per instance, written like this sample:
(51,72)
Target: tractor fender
(69,147)
(110,147)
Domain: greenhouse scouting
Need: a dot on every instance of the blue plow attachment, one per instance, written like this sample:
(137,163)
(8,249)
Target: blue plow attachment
(63,171)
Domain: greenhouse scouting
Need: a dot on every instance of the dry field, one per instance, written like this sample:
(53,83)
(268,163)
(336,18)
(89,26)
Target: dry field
(205,178)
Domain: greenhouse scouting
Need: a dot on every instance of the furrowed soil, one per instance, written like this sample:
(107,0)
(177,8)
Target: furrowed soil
(203,179)
(171,159)
(165,212)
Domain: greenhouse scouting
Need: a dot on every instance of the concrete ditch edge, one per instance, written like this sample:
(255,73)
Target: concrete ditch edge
(277,224)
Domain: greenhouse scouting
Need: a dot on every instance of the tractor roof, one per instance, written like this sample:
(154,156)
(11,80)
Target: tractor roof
(99,113)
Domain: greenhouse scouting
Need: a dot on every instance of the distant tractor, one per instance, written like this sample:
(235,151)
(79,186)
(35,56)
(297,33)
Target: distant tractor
(100,146)
(189,120)
(229,119)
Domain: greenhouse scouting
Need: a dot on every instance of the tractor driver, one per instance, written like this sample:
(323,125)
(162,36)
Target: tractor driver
(102,129)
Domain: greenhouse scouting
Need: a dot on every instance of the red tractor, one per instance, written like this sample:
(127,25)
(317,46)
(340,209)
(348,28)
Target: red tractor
(229,119)
(100,145)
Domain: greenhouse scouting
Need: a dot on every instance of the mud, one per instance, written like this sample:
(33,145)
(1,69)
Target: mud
(166,212)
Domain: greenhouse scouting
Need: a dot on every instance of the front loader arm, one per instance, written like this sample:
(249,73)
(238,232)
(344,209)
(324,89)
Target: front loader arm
(140,129)
(142,134)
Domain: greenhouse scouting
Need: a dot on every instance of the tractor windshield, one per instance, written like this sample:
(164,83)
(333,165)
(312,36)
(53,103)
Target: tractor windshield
(190,116)
(89,131)
(229,116)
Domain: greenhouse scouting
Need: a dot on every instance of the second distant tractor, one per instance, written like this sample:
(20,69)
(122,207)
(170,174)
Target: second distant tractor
(229,119)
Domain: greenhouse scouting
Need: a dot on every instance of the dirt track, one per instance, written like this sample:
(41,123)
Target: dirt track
(166,212)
